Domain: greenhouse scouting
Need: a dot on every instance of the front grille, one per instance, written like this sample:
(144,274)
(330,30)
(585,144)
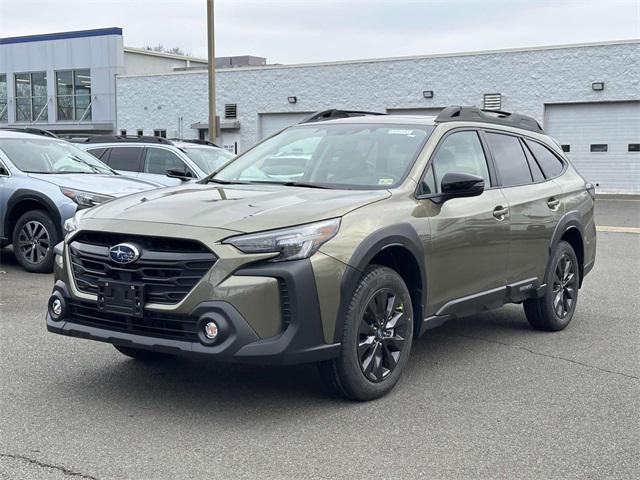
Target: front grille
(169,268)
(152,324)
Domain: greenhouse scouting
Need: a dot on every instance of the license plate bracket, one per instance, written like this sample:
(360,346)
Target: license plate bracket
(124,298)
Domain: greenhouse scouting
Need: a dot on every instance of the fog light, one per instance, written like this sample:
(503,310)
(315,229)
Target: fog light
(211,330)
(56,307)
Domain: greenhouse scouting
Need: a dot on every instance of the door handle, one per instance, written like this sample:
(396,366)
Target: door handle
(553,203)
(500,212)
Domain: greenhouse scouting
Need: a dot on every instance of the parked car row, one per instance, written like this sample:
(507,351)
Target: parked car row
(45,180)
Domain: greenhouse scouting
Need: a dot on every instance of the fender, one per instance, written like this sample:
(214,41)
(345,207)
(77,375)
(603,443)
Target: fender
(571,219)
(25,194)
(402,234)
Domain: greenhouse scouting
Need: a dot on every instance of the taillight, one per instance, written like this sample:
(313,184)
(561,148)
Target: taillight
(589,187)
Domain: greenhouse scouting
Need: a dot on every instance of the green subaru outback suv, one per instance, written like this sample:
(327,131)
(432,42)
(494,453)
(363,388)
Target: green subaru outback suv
(337,241)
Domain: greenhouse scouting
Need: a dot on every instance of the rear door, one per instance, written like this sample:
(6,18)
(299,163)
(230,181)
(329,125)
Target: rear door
(534,206)
(126,159)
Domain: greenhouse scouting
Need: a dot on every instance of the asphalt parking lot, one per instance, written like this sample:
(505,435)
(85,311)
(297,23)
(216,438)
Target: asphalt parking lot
(483,397)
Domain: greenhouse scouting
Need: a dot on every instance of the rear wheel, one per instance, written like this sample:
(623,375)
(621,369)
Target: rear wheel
(555,309)
(376,340)
(34,237)
(143,355)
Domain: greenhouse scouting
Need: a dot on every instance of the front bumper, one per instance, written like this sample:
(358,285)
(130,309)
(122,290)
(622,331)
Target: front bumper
(301,340)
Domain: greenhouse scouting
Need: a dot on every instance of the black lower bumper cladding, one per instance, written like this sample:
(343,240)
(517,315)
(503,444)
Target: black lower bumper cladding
(301,341)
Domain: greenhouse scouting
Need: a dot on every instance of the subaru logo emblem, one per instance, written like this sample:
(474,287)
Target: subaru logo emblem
(124,253)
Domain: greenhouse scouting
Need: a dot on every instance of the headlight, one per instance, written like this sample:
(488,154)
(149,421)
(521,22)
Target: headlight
(291,243)
(72,224)
(85,199)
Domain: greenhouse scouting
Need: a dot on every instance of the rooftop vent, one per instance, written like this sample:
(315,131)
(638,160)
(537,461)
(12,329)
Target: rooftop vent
(492,101)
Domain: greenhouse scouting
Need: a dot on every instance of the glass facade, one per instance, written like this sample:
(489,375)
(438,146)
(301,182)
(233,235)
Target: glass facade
(31,97)
(4,114)
(73,95)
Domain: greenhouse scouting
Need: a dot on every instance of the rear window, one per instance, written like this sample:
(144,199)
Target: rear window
(510,160)
(125,158)
(550,164)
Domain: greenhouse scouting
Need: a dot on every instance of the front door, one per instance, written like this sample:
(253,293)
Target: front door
(467,250)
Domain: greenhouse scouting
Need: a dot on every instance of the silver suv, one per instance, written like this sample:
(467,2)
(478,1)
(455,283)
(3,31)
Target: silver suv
(169,162)
(43,182)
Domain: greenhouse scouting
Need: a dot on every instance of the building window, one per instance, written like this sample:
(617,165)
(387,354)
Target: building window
(140,133)
(123,133)
(492,101)
(231,110)
(31,97)
(599,147)
(4,113)
(633,147)
(160,133)
(73,93)
(566,148)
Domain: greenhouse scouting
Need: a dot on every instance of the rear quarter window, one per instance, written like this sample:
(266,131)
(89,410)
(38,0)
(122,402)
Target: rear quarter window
(551,165)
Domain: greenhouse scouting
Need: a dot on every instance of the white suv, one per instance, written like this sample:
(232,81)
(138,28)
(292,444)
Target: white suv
(169,162)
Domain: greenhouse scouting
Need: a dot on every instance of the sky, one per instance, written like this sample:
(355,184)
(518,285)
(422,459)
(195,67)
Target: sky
(306,31)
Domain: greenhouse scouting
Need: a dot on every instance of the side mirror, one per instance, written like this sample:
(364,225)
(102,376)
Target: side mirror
(456,185)
(180,174)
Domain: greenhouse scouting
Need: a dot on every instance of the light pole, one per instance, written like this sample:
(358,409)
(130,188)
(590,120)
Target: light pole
(211,49)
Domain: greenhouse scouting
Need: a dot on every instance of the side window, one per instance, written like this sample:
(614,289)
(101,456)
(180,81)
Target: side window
(159,160)
(550,164)
(97,152)
(125,158)
(509,158)
(536,172)
(428,183)
(461,152)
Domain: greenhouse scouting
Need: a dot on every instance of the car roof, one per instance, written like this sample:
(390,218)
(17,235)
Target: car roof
(18,134)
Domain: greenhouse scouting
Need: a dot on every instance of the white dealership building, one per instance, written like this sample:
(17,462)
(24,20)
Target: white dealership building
(587,95)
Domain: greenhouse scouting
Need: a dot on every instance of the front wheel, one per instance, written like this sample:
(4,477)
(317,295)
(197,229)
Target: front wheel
(376,340)
(34,237)
(555,309)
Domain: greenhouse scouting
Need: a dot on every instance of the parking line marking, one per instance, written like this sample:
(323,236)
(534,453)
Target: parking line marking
(618,229)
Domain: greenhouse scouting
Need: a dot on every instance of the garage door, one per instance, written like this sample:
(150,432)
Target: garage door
(431,112)
(270,123)
(602,141)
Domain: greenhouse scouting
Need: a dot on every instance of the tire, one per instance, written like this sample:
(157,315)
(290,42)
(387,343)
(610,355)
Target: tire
(555,309)
(35,226)
(142,354)
(373,353)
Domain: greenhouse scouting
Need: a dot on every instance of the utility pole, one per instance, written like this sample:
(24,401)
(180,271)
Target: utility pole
(211,39)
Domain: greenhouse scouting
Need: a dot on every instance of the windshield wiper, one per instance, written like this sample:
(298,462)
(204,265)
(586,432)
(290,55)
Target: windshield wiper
(224,182)
(292,184)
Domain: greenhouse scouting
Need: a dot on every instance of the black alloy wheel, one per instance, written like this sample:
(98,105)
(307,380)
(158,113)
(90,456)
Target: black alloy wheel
(381,334)
(565,284)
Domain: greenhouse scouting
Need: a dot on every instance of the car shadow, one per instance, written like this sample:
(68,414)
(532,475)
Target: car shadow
(194,386)
(7,257)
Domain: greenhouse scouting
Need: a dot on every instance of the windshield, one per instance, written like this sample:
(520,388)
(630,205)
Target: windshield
(332,156)
(45,155)
(209,159)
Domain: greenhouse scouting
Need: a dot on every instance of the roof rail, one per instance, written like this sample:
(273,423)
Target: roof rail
(498,117)
(123,139)
(334,113)
(32,130)
(196,141)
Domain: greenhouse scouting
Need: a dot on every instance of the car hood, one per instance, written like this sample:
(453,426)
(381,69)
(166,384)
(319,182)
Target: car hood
(241,208)
(114,185)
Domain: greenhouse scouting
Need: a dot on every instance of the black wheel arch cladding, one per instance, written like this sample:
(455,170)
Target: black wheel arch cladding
(402,235)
